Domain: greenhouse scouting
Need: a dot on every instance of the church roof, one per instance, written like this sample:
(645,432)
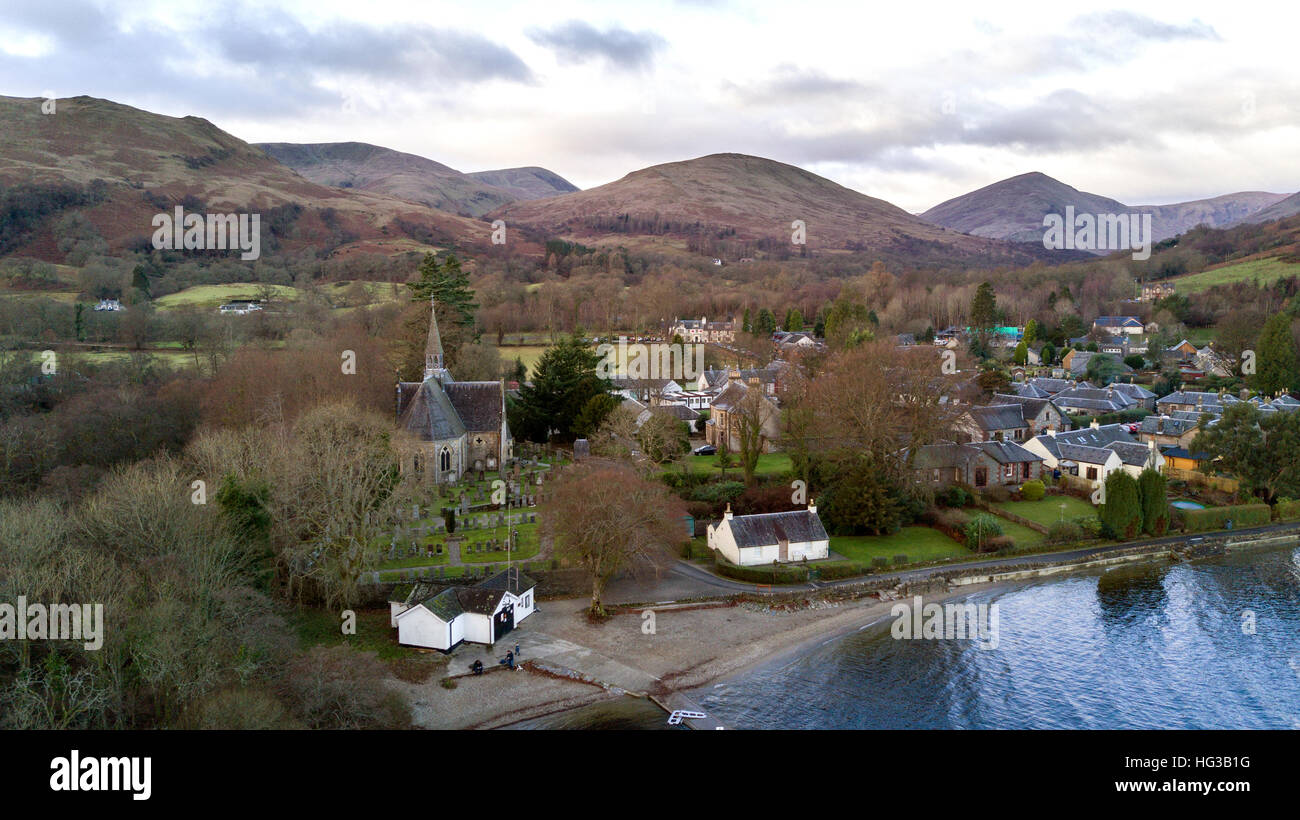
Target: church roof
(477,403)
(429,413)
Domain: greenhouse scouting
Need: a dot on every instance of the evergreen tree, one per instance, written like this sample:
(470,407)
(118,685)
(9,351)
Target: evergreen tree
(1155,502)
(1275,354)
(766,324)
(793,320)
(564,381)
(984,307)
(1021,356)
(1032,331)
(747,324)
(449,285)
(1121,515)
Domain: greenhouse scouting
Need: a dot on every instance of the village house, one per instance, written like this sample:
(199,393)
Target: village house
(643,390)
(1094,452)
(996,422)
(722,430)
(1184,351)
(454,426)
(1093,401)
(1151,291)
(1116,325)
(975,464)
(702,330)
(752,540)
(1193,401)
(433,617)
(1168,431)
(1040,414)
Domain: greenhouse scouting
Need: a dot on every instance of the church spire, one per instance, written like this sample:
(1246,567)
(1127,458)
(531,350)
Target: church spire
(433,347)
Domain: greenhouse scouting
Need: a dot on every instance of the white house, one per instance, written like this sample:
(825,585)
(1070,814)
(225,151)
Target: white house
(1093,453)
(433,618)
(749,540)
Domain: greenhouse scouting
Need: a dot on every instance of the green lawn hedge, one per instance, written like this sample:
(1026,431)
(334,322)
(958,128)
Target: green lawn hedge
(1217,518)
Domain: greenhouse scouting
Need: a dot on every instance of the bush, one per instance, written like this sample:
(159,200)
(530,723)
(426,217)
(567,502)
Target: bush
(899,560)
(1090,524)
(953,496)
(1064,532)
(764,574)
(448,683)
(1217,518)
(952,523)
(1287,509)
(1121,515)
(1033,491)
(879,563)
(980,529)
(999,543)
(997,494)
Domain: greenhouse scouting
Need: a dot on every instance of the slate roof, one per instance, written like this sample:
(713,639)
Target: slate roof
(731,396)
(998,416)
(796,526)
(1098,436)
(479,404)
(429,413)
(1134,391)
(678,411)
(1083,453)
(941,455)
(1032,405)
(1029,390)
(482,599)
(1134,455)
(505,579)
(1053,386)
(1006,452)
(1167,426)
(1094,398)
(1117,321)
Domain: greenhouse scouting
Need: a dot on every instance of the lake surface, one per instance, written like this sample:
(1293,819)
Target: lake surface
(1137,647)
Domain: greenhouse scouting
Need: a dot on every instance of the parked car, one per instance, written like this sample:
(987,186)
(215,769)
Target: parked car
(705,450)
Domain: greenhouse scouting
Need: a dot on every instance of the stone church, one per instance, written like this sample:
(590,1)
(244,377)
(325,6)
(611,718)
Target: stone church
(456,427)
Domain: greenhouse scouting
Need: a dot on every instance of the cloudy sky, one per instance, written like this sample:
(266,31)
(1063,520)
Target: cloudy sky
(912,102)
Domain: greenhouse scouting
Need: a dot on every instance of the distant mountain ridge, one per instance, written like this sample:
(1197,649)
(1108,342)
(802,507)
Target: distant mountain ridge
(750,199)
(1014,208)
(367,167)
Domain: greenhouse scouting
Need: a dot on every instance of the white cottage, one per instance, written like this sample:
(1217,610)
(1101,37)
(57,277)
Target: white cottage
(749,540)
(433,617)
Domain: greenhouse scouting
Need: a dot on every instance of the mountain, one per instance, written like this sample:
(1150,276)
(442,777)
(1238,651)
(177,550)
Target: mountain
(746,202)
(148,163)
(526,183)
(1281,209)
(363,167)
(1014,209)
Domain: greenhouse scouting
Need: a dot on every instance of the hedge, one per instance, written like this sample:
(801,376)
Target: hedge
(1216,518)
(1287,510)
(763,573)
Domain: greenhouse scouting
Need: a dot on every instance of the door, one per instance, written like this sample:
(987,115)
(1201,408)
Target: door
(503,622)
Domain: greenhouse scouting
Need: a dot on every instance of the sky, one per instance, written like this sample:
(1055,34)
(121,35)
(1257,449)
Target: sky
(910,102)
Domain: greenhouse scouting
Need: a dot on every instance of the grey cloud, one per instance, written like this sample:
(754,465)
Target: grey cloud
(578,42)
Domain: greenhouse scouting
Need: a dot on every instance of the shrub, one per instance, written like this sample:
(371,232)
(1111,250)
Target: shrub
(448,683)
(1152,489)
(998,494)
(980,529)
(999,543)
(1287,509)
(765,574)
(953,496)
(879,562)
(899,560)
(952,523)
(1064,532)
(1217,518)
(1033,491)
(1090,524)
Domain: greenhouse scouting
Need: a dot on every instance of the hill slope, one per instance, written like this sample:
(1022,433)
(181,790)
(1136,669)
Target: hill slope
(364,167)
(150,162)
(1281,209)
(740,199)
(526,183)
(1014,209)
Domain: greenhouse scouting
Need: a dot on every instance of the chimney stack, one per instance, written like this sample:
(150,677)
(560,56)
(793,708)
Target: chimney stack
(726,516)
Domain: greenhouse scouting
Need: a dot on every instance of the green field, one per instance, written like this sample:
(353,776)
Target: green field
(1263,270)
(528,353)
(917,543)
(768,464)
(1048,511)
(213,296)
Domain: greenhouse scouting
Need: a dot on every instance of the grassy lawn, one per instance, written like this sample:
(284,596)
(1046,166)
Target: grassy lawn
(1264,270)
(316,627)
(768,464)
(213,296)
(917,543)
(528,353)
(1022,535)
(1048,511)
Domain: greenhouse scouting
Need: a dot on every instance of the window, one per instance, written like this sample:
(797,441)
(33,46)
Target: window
(444,460)
(1092,473)
(981,476)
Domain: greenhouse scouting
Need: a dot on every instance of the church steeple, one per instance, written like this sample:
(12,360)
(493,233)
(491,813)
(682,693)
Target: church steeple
(433,347)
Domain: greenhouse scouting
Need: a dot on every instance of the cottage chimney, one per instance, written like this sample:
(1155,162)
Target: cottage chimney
(812,506)
(1051,431)
(1095,424)
(726,516)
